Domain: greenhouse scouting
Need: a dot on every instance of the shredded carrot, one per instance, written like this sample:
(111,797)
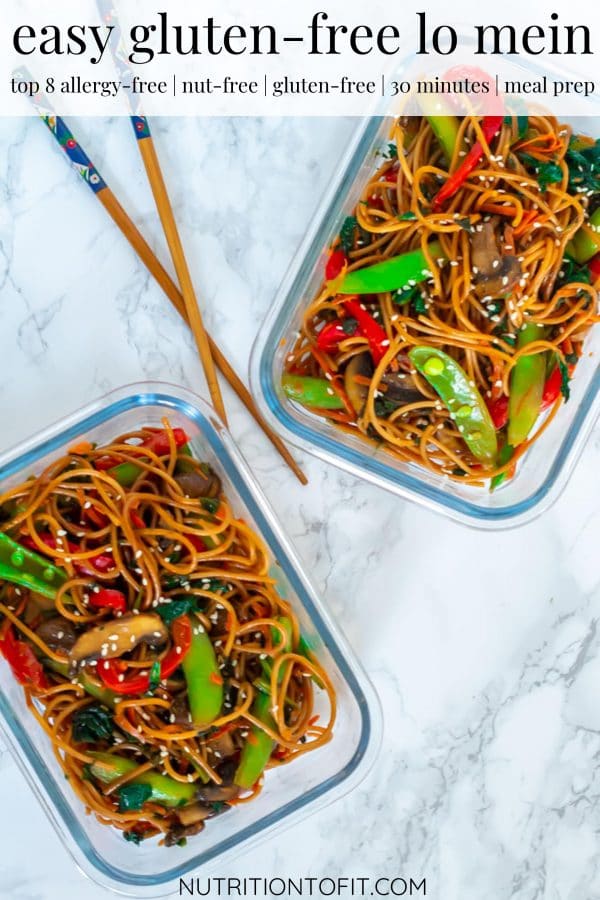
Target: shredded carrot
(528,219)
(540,146)
(230,726)
(500,209)
(81,449)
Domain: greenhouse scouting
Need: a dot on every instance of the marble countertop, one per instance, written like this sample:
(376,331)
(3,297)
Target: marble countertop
(488,666)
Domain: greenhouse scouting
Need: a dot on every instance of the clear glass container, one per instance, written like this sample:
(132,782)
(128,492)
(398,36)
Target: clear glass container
(545,469)
(290,792)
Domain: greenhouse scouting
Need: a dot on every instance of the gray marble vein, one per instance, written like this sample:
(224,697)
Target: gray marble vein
(484,648)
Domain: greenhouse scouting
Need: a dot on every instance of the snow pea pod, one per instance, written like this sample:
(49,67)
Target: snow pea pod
(126,473)
(28,569)
(107,767)
(257,750)
(464,402)
(203,678)
(586,242)
(392,274)
(444,125)
(505,456)
(309,391)
(526,387)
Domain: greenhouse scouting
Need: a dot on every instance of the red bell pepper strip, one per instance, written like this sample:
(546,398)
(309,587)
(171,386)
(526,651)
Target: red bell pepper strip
(335,264)
(103,562)
(196,542)
(594,267)
(376,202)
(25,666)
(102,463)
(552,388)
(376,335)
(499,411)
(158,442)
(136,519)
(111,670)
(107,598)
(329,337)
(490,126)
(95,517)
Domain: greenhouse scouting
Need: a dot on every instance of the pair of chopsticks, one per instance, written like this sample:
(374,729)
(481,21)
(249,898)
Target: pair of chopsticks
(185,300)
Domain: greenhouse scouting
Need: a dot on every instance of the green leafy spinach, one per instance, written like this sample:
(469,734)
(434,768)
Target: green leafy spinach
(347,233)
(584,168)
(547,173)
(133,796)
(91,724)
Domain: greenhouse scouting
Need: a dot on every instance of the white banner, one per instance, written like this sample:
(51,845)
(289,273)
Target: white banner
(344,57)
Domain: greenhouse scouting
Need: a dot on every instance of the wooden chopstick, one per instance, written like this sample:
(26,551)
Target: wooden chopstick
(86,169)
(167,218)
(162,277)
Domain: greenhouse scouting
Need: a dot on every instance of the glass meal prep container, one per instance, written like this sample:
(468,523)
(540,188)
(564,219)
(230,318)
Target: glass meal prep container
(545,468)
(290,792)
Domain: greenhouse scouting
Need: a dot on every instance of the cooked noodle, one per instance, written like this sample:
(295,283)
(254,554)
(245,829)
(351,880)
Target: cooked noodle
(479,333)
(163,547)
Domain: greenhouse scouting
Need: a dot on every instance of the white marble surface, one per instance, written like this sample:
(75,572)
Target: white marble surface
(488,665)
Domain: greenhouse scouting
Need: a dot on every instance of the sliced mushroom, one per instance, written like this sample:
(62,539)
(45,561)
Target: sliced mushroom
(226,771)
(194,813)
(361,365)
(180,832)
(118,636)
(212,793)
(401,388)
(57,633)
(196,483)
(180,710)
(496,273)
(223,746)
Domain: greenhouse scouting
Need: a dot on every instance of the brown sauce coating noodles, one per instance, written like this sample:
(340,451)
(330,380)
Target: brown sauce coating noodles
(395,214)
(141,551)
